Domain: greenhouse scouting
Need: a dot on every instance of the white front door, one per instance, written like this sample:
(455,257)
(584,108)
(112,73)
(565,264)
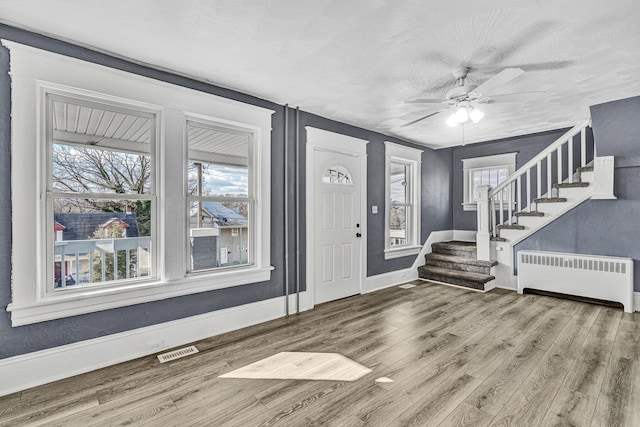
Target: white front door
(338,226)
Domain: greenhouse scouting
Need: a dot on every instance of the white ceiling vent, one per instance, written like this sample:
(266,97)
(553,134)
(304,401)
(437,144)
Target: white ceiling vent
(177,354)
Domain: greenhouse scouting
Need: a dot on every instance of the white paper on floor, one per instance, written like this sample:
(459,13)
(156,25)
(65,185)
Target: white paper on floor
(384,380)
(302,366)
(407,286)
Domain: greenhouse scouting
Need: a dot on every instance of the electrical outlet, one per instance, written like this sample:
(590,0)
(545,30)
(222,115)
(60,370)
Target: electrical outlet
(153,346)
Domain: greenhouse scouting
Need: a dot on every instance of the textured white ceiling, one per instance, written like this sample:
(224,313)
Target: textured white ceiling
(358,61)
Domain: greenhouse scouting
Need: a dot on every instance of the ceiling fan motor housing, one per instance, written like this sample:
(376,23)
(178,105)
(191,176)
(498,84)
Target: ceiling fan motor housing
(460,92)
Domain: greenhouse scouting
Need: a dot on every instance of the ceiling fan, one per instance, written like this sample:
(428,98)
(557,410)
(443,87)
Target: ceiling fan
(462,100)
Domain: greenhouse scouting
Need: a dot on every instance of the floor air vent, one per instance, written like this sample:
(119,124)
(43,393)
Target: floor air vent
(177,354)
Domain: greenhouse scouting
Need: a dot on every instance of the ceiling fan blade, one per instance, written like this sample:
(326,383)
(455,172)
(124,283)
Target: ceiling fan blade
(421,118)
(426,101)
(499,79)
(518,96)
(533,66)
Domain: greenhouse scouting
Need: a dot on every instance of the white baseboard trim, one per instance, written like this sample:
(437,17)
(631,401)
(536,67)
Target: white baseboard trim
(636,301)
(387,280)
(41,367)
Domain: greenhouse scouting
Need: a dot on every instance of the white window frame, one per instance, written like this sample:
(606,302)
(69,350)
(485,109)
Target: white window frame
(33,73)
(469,165)
(413,158)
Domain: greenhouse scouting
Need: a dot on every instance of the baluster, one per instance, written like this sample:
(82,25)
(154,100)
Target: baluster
(63,270)
(510,201)
(529,190)
(492,212)
(539,180)
(115,264)
(519,196)
(549,179)
(128,261)
(570,160)
(501,208)
(90,267)
(559,178)
(103,259)
(583,147)
(77,278)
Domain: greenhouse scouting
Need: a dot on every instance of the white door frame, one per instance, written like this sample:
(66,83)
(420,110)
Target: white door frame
(322,140)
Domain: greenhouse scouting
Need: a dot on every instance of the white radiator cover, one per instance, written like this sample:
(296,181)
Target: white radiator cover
(601,277)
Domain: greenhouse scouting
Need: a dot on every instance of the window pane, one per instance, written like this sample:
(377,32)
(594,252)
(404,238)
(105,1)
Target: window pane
(219,234)
(336,175)
(397,225)
(218,161)
(99,241)
(399,184)
(87,170)
(99,148)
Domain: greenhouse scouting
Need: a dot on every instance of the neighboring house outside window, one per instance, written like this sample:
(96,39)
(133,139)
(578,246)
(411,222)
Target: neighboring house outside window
(110,229)
(487,170)
(402,195)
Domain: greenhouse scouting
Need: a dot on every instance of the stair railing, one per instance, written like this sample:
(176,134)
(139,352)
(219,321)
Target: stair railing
(519,190)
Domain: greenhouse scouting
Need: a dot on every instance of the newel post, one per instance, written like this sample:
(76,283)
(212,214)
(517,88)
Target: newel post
(483,235)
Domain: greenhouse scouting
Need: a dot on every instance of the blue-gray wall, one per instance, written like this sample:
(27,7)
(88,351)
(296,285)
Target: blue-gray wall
(605,227)
(436,183)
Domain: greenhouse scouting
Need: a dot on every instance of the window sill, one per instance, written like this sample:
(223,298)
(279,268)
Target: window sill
(402,252)
(96,299)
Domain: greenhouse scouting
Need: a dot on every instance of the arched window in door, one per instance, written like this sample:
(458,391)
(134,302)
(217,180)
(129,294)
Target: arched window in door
(337,175)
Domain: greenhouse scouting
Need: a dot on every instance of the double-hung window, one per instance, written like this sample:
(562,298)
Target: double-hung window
(402,224)
(127,190)
(481,171)
(100,192)
(220,197)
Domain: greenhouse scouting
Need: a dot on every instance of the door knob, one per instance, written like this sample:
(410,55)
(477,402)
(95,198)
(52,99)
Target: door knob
(358,235)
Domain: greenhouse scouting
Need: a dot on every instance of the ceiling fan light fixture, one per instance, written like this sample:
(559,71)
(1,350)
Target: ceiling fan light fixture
(451,121)
(476,115)
(461,115)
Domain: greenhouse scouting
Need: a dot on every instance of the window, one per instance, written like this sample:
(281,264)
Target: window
(220,201)
(402,225)
(100,192)
(488,170)
(336,175)
(126,189)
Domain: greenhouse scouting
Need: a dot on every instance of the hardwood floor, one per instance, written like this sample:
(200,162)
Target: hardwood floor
(456,358)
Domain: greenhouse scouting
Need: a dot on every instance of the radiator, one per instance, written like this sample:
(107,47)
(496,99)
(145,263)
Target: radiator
(600,277)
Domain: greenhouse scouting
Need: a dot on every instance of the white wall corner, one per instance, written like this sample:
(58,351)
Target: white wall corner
(33,369)
(636,301)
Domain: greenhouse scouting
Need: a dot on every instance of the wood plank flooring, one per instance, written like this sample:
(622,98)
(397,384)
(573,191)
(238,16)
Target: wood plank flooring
(456,358)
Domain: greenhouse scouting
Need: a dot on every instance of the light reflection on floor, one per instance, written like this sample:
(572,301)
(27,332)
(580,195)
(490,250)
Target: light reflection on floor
(302,366)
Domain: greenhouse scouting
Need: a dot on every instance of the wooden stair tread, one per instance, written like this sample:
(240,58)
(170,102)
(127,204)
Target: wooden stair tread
(461,260)
(497,239)
(550,200)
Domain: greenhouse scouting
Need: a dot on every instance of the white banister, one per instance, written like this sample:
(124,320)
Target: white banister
(550,149)
(549,173)
(495,198)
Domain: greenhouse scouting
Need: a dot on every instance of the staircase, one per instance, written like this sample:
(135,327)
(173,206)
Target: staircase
(455,263)
(559,178)
(564,197)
